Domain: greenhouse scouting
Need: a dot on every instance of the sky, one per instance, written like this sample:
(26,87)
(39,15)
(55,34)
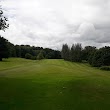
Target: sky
(52,23)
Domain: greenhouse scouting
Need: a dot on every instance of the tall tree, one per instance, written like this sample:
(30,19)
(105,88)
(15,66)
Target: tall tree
(3,21)
(72,53)
(76,52)
(3,41)
(12,50)
(101,57)
(65,52)
(87,52)
(3,48)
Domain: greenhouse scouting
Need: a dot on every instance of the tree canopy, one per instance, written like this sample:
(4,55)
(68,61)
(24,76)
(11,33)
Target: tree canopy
(95,57)
(3,21)
(3,48)
(3,41)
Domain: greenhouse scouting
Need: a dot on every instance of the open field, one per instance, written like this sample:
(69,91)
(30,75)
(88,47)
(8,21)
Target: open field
(52,85)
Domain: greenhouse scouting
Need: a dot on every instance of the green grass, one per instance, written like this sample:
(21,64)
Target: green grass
(52,85)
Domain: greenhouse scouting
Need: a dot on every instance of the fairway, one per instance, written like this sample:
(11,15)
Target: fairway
(52,85)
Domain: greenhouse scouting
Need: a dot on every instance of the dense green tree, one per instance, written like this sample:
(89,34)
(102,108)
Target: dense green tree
(57,54)
(87,52)
(3,41)
(72,52)
(28,56)
(18,50)
(12,50)
(97,59)
(4,52)
(65,53)
(76,52)
(51,54)
(3,21)
(21,50)
(33,58)
(106,55)
(101,57)
(90,59)
(40,56)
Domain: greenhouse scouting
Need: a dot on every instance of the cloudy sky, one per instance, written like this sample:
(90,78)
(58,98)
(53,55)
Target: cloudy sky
(51,23)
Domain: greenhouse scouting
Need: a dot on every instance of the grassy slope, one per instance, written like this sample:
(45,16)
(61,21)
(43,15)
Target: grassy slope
(52,85)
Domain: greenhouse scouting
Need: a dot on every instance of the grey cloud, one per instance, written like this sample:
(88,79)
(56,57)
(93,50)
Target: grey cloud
(51,23)
(89,35)
(105,38)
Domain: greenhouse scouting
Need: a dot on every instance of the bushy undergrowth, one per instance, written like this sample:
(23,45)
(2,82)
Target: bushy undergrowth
(107,68)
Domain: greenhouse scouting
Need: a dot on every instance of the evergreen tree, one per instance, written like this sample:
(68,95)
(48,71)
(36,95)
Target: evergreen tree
(65,53)
(76,52)
(73,53)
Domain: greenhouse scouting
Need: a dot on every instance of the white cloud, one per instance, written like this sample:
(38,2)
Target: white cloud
(50,23)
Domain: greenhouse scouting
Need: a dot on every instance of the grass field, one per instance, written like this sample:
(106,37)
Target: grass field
(52,85)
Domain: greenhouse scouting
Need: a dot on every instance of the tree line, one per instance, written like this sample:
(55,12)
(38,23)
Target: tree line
(8,49)
(92,55)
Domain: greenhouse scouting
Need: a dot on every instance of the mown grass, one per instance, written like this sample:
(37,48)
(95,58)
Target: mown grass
(52,85)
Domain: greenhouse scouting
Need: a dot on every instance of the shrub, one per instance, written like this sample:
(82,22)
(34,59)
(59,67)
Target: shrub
(33,58)
(40,56)
(107,68)
(28,56)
